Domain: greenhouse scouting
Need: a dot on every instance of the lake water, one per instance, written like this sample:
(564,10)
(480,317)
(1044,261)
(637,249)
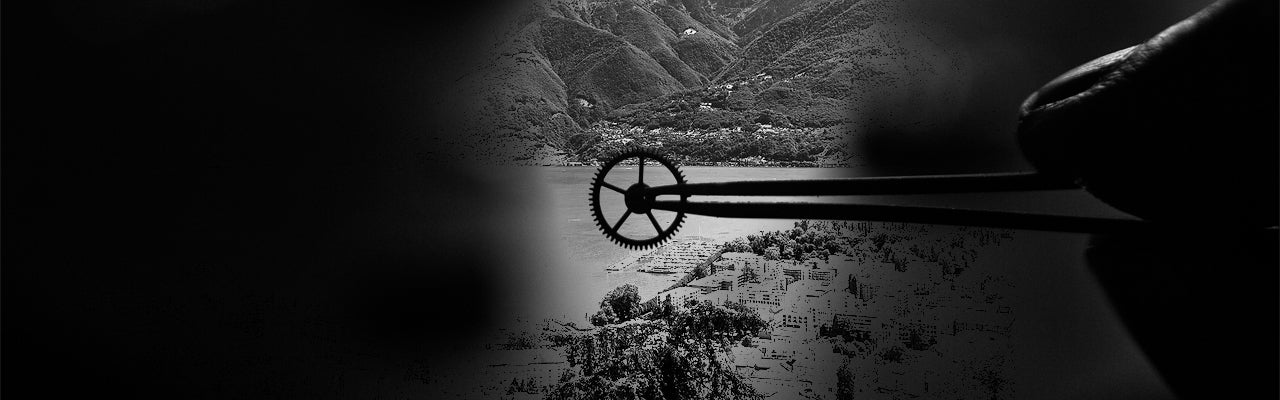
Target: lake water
(586,251)
(574,277)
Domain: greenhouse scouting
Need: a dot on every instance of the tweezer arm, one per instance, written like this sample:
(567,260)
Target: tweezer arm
(913,214)
(923,184)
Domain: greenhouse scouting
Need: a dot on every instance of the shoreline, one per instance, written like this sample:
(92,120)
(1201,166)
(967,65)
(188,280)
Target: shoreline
(628,263)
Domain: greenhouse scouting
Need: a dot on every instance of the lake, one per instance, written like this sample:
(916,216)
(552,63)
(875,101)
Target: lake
(586,251)
(580,252)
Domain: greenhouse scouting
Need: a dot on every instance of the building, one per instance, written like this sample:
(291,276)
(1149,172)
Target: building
(807,271)
(723,265)
(721,280)
(861,326)
(762,295)
(681,296)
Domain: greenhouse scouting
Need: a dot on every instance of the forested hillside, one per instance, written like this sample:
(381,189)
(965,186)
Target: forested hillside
(566,79)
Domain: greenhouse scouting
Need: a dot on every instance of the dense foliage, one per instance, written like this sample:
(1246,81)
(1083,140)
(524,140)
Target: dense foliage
(620,304)
(798,147)
(953,248)
(749,105)
(808,239)
(667,353)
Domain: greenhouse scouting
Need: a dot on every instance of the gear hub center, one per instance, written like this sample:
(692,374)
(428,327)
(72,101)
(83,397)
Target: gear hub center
(636,200)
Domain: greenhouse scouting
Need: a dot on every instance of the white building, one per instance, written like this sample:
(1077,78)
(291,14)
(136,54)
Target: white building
(763,295)
(680,297)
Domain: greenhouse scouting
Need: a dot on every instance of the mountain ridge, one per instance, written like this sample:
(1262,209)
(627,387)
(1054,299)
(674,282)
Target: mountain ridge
(567,66)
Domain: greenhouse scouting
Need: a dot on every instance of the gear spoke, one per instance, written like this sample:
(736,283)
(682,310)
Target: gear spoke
(611,187)
(656,225)
(621,220)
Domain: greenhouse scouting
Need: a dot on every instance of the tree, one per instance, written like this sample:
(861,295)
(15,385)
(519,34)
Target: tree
(665,309)
(758,243)
(772,253)
(790,248)
(700,271)
(738,245)
(604,317)
(844,382)
(684,355)
(750,274)
(619,305)
(724,324)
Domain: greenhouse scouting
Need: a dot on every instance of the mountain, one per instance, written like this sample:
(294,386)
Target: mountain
(764,14)
(838,56)
(561,64)
(560,67)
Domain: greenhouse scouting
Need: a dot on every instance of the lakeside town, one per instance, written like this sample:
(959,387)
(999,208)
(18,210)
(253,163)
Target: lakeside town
(849,310)
(756,161)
